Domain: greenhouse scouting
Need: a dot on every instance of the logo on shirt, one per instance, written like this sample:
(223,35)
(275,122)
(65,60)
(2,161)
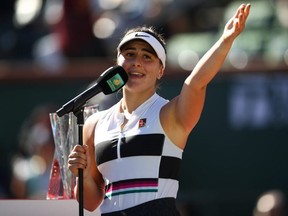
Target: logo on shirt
(142,123)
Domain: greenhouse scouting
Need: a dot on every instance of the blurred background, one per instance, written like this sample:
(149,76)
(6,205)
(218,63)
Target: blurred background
(236,159)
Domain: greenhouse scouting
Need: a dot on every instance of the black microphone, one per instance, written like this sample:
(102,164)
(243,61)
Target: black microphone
(111,80)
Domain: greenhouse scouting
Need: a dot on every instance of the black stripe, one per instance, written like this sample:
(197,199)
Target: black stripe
(170,167)
(139,145)
(106,151)
(147,144)
(157,207)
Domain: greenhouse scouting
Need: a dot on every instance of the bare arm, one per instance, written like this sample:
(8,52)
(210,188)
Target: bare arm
(184,111)
(83,157)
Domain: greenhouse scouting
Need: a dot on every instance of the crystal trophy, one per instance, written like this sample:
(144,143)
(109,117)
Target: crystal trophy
(65,134)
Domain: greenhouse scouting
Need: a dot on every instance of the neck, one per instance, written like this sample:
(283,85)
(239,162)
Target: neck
(131,102)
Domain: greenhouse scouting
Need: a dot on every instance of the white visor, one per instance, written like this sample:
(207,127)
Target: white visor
(151,40)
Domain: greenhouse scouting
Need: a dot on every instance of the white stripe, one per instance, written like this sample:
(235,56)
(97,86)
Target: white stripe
(151,163)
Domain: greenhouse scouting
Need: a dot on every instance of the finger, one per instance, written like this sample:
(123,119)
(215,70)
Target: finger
(78,151)
(247,9)
(244,12)
(79,148)
(77,162)
(80,155)
(77,157)
(88,154)
(74,167)
(239,10)
(241,21)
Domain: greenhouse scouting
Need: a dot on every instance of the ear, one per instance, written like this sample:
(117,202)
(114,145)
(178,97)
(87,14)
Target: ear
(160,74)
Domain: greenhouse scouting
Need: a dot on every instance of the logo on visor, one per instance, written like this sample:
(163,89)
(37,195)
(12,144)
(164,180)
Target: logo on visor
(139,35)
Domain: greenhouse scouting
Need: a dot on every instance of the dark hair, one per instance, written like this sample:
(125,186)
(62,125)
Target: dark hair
(150,30)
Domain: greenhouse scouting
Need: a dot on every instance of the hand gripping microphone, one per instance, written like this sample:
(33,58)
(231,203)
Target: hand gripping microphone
(110,81)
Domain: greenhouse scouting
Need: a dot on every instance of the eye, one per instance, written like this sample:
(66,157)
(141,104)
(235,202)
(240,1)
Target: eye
(129,54)
(147,57)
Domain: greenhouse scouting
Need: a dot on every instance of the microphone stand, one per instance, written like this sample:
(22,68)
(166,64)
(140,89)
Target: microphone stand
(79,113)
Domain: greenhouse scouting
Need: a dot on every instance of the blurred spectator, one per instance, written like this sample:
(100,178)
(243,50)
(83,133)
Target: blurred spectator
(50,31)
(75,30)
(31,165)
(71,26)
(271,203)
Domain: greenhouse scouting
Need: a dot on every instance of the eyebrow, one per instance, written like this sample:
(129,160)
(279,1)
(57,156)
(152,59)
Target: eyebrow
(151,51)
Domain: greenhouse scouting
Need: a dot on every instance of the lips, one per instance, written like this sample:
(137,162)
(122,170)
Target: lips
(135,74)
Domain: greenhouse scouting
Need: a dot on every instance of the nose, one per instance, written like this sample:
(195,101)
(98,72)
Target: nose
(137,61)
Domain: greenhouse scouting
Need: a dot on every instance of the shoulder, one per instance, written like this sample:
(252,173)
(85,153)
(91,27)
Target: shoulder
(90,124)
(92,120)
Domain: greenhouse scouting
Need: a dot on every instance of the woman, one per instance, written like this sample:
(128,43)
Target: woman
(138,143)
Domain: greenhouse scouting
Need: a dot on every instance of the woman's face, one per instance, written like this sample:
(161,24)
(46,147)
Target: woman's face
(141,64)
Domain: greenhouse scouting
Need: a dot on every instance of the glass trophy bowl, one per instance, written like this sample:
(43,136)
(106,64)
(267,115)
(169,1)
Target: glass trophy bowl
(65,134)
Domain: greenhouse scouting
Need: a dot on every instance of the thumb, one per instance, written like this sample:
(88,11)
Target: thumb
(88,155)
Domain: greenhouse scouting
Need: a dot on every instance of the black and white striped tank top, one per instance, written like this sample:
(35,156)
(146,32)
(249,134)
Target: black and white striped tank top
(139,163)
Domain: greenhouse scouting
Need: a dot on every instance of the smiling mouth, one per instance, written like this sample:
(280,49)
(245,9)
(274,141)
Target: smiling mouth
(136,74)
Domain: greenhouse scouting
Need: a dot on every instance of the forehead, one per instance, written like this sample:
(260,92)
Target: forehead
(139,44)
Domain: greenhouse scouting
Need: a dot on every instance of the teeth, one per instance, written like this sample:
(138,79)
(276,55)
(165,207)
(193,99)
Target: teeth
(137,74)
